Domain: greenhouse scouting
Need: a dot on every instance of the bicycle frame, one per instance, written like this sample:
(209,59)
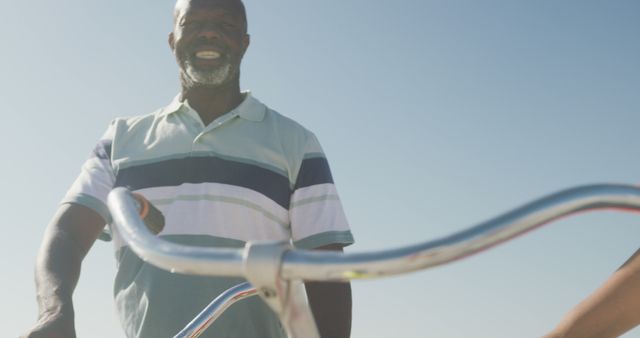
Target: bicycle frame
(276,270)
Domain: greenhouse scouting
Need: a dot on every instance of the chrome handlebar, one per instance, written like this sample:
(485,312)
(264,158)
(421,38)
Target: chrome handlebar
(336,266)
(276,271)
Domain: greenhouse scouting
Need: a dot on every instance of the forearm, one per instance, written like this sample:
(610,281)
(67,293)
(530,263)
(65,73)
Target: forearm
(610,311)
(57,273)
(66,242)
(331,306)
(330,303)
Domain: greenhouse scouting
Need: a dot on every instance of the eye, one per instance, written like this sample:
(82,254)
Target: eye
(229,25)
(190,24)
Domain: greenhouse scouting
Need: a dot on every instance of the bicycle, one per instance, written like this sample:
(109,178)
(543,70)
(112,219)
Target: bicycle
(275,270)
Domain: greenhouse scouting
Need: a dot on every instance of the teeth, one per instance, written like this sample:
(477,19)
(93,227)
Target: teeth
(209,55)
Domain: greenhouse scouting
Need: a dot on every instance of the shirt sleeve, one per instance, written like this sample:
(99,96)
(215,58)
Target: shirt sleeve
(316,213)
(96,179)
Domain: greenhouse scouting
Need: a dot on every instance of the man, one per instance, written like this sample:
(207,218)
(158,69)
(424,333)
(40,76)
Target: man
(224,169)
(610,311)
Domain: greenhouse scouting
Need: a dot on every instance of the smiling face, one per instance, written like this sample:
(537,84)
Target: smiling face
(209,39)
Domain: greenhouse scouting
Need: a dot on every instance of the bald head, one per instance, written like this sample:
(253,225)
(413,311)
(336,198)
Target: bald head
(234,6)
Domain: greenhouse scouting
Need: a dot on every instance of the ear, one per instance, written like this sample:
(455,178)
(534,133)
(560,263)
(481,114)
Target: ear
(172,42)
(246,40)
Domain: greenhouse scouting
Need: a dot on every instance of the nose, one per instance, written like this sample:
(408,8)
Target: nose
(209,32)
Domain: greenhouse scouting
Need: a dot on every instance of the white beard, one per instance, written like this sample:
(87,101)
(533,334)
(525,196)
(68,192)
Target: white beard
(214,77)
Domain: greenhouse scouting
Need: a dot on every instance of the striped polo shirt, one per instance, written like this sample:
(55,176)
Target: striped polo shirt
(251,174)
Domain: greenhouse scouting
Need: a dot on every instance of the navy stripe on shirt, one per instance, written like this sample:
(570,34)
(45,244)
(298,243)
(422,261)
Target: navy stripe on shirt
(103,150)
(313,171)
(176,172)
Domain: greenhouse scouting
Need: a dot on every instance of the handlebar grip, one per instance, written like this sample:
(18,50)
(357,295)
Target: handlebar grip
(151,216)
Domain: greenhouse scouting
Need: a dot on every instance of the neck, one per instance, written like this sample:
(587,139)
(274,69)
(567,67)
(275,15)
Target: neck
(212,102)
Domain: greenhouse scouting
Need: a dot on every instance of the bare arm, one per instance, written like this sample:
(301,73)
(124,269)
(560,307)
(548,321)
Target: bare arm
(67,240)
(331,305)
(610,311)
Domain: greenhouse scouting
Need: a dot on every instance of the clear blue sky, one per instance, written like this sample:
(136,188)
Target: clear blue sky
(435,115)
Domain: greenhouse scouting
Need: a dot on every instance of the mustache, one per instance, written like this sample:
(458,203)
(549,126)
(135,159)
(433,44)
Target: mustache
(206,44)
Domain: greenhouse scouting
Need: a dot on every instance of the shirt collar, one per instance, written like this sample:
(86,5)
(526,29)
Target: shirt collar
(249,109)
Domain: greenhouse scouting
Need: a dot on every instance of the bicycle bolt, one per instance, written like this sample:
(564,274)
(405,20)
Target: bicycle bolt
(268,293)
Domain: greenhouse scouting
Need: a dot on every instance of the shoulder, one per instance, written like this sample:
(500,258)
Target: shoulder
(129,123)
(126,127)
(288,129)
